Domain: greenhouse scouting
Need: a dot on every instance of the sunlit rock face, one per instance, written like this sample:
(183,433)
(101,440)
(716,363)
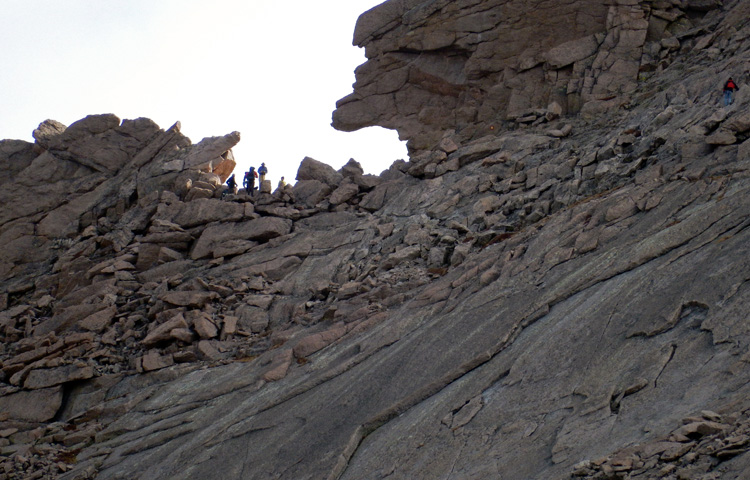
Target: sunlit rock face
(443,67)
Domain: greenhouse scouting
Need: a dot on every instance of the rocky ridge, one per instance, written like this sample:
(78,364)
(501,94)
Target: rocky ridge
(519,305)
(462,69)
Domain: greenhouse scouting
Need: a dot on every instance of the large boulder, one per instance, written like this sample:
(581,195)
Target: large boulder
(213,154)
(32,405)
(47,131)
(352,169)
(311,169)
(259,229)
(310,192)
(202,211)
(344,193)
(94,142)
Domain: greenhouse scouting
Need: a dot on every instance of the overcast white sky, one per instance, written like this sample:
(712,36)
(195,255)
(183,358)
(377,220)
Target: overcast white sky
(271,70)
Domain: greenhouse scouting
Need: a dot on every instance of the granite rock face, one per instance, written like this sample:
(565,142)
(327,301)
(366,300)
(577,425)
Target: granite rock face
(563,297)
(466,67)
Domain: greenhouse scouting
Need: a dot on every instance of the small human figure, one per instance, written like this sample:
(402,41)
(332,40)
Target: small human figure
(249,181)
(262,171)
(282,183)
(232,184)
(729,89)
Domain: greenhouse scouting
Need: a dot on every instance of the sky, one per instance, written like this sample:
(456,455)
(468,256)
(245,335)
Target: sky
(269,69)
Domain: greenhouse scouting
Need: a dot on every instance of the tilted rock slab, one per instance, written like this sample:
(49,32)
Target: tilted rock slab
(629,326)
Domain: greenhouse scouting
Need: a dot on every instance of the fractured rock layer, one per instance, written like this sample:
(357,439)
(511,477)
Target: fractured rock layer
(466,67)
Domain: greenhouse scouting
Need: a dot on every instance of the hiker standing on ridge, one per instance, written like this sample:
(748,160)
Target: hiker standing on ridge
(232,184)
(249,181)
(282,184)
(729,89)
(262,171)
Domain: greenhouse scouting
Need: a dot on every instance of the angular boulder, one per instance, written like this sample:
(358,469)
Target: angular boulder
(49,377)
(259,229)
(311,169)
(310,192)
(202,211)
(47,131)
(211,153)
(32,405)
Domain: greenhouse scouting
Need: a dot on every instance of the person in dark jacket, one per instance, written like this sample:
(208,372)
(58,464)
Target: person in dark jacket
(232,184)
(249,181)
(729,89)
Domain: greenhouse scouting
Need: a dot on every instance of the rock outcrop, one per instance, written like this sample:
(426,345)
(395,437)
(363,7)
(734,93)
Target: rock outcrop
(465,68)
(563,298)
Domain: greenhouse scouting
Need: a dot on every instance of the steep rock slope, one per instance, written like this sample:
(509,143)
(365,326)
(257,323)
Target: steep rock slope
(552,299)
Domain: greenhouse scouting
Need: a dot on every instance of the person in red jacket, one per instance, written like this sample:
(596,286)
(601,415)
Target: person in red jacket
(729,89)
